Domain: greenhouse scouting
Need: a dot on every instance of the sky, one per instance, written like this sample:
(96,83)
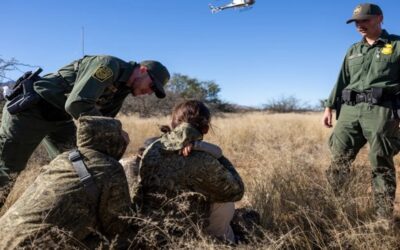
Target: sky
(276,49)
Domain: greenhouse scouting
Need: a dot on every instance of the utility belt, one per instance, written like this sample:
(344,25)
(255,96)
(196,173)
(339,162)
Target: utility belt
(374,96)
(23,96)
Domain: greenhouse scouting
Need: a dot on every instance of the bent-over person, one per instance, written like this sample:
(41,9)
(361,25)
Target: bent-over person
(90,86)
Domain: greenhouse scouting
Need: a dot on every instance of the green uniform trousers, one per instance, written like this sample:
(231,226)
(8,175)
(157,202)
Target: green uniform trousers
(21,133)
(357,125)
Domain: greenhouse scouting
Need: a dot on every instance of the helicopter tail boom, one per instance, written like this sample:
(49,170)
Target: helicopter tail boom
(238,4)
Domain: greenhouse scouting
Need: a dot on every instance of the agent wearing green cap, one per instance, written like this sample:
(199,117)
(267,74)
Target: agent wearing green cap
(93,85)
(366,93)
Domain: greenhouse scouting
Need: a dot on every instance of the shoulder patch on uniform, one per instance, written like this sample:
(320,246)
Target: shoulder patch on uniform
(103,73)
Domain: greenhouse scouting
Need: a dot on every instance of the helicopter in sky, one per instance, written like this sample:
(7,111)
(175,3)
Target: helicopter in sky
(234,4)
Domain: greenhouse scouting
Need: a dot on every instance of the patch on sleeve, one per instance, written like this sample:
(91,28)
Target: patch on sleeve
(103,73)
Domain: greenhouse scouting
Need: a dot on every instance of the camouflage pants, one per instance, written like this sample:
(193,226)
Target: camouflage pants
(20,134)
(356,126)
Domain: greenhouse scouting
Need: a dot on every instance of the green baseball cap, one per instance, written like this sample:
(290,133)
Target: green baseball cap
(159,74)
(365,11)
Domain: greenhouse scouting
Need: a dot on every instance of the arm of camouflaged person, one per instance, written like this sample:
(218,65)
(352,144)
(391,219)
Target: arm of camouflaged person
(115,202)
(216,179)
(90,84)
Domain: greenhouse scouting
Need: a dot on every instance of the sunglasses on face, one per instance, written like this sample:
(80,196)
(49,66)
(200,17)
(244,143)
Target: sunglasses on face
(152,85)
(362,21)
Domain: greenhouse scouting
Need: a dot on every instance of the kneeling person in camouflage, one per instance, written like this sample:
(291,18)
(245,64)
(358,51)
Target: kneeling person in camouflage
(78,192)
(204,180)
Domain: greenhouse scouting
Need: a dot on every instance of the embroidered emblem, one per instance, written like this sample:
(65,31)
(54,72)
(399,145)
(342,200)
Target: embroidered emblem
(357,10)
(103,73)
(388,49)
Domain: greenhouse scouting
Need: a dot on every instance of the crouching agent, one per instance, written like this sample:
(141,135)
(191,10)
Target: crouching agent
(77,193)
(205,184)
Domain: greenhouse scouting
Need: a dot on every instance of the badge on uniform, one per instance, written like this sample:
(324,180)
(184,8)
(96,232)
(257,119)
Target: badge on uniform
(357,10)
(387,49)
(103,73)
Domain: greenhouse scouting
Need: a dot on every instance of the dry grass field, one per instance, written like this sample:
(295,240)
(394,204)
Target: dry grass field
(282,159)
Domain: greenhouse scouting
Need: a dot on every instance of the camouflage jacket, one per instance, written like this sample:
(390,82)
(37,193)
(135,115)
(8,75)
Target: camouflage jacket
(57,198)
(166,175)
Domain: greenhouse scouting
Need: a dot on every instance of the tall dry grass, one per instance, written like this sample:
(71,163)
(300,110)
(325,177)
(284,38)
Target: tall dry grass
(282,159)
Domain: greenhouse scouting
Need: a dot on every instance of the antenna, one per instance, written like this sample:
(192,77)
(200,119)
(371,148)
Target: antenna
(83,41)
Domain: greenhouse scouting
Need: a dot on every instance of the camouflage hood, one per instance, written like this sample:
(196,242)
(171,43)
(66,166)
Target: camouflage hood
(179,137)
(102,134)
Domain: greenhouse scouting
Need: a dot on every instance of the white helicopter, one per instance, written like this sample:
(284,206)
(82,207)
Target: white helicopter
(234,4)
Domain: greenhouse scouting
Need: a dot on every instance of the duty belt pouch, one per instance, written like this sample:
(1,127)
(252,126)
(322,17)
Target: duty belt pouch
(396,107)
(376,95)
(17,89)
(23,95)
(348,96)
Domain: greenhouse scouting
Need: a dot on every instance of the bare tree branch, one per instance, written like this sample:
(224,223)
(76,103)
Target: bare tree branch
(9,65)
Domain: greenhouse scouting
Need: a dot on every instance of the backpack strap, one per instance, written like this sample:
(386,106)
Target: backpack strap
(85,177)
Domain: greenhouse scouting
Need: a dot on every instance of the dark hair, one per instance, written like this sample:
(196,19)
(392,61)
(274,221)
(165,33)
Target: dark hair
(193,112)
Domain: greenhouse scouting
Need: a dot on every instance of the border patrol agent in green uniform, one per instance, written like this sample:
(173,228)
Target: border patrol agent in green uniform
(93,85)
(366,95)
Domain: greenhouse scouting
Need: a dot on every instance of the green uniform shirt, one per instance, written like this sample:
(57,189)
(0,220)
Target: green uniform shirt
(366,66)
(93,85)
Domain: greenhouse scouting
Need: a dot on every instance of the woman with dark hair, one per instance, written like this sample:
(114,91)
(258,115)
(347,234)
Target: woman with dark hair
(181,167)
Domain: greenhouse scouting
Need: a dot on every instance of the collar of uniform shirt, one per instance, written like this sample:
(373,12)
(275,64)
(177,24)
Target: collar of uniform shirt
(383,39)
(127,72)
